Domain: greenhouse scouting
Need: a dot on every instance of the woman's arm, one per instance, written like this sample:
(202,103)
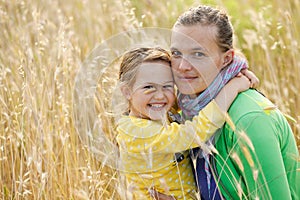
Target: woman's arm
(273,172)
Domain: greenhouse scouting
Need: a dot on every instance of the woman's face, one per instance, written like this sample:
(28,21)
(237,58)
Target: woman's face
(196,57)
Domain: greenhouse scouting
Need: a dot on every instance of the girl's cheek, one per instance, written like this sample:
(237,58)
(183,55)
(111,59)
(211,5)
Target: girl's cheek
(148,91)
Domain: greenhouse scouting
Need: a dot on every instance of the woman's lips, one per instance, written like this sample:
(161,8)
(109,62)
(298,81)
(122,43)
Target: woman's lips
(186,78)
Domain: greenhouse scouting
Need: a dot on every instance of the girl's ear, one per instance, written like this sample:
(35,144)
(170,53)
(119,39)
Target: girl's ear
(228,57)
(126,92)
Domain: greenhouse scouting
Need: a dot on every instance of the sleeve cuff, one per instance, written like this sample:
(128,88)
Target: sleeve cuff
(214,114)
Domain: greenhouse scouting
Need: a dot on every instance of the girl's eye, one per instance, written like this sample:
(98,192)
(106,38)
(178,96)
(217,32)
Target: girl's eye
(148,87)
(168,86)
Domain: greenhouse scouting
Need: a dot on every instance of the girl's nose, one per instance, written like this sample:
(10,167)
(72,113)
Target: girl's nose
(159,94)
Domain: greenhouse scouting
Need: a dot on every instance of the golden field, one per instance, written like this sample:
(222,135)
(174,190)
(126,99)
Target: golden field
(42,46)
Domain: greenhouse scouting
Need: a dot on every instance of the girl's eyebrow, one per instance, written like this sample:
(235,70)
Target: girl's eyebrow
(151,83)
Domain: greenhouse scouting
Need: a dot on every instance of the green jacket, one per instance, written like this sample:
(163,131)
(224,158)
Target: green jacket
(260,158)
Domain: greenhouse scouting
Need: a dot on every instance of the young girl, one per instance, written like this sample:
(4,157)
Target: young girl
(148,142)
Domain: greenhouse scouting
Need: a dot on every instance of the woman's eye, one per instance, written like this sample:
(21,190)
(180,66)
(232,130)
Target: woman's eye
(199,54)
(176,53)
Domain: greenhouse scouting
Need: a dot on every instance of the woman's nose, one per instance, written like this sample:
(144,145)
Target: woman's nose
(184,65)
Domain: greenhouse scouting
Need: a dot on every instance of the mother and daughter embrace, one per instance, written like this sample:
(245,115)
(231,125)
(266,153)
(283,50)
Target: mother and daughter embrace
(247,148)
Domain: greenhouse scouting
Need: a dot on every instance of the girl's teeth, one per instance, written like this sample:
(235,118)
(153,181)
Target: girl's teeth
(157,106)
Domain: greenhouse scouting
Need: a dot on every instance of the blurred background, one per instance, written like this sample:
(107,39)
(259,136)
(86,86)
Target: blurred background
(43,43)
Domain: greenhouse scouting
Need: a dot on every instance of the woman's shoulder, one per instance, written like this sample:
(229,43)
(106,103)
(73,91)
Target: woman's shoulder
(253,108)
(250,101)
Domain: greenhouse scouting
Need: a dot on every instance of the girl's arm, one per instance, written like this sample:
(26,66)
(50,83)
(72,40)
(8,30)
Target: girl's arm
(229,92)
(209,118)
(224,99)
(178,137)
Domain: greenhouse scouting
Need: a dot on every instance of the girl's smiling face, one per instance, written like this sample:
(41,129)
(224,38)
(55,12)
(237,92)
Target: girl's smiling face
(152,94)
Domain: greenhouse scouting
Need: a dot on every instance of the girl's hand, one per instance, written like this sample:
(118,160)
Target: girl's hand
(156,195)
(252,77)
(238,84)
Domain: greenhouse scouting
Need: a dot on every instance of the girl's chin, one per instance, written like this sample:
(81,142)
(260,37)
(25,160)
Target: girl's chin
(158,117)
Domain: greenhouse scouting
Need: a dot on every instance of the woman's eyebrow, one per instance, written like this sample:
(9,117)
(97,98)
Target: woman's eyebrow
(198,48)
(173,49)
(193,49)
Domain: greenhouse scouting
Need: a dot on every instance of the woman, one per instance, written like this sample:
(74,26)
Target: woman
(257,154)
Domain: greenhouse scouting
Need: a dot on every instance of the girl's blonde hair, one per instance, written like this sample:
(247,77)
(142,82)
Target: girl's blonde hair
(132,59)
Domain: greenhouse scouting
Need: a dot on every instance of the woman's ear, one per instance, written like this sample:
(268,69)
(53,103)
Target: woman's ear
(228,57)
(126,92)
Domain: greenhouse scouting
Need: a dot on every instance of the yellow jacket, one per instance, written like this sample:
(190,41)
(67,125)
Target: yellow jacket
(147,150)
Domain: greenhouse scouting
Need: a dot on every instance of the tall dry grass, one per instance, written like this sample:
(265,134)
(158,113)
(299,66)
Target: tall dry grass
(42,45)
